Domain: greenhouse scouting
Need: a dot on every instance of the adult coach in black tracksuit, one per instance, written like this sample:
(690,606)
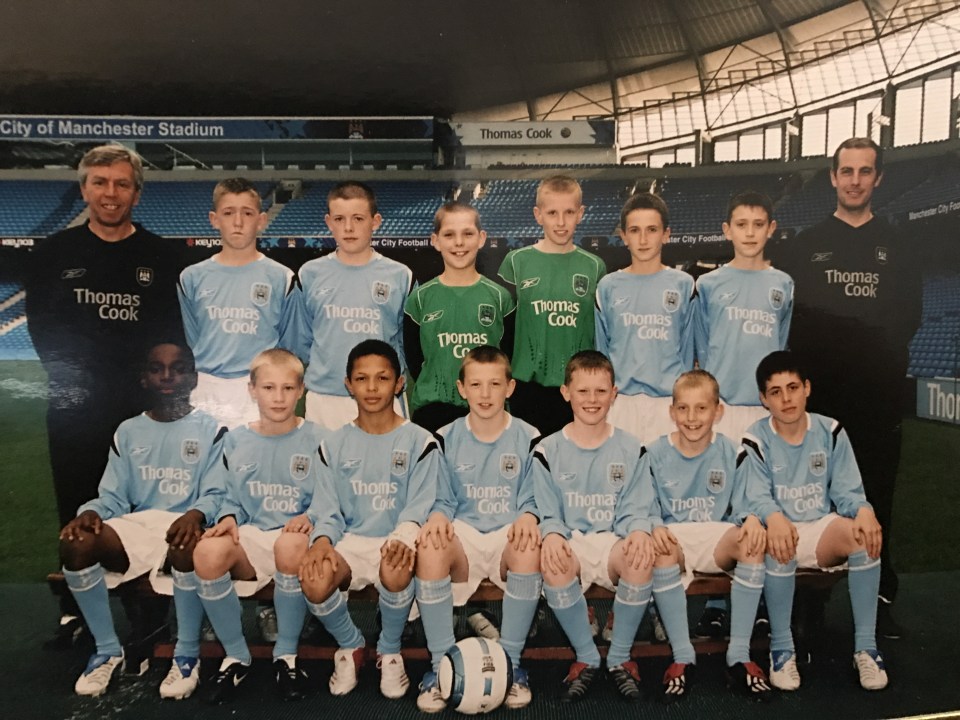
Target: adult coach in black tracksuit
(857,306)
(97,294)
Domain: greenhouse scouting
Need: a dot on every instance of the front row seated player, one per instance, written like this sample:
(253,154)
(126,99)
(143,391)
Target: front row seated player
(483,525)
(802,479)
(698,500)
(154,498)
(595,501)
(269,472)
(377,482)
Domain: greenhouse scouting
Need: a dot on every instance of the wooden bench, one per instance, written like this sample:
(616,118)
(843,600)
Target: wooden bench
(703,584)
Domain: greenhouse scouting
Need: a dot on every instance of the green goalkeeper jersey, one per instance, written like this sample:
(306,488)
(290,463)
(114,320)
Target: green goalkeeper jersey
(555,319)
(453,321)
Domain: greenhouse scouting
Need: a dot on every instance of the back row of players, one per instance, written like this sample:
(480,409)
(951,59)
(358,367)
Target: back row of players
(651,320)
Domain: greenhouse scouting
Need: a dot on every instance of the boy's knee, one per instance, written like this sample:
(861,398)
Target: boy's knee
(79,554)
(181,559)
(316,589)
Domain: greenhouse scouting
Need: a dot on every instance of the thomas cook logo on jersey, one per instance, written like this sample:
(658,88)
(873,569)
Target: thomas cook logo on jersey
(881,254)
(716,481)
(529,283)
(818,463)
(581,283)
(616,473)
(509,465)
(380,292)
(486,314)
(260,294)
(776,298)
(190,450)
(399,460)
(671,301)
(299,466)
(432,316)
(145,276)
(73,273)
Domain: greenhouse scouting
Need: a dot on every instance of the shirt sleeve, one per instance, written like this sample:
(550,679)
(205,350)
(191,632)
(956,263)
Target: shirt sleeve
(754,475)
(212,488)
(701,331)
(547,496)
(113,494)
(423,482)
(846,485)
(602,333)
(324,511)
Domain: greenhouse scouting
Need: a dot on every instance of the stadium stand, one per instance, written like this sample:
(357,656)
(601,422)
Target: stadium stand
(38,207)
(179,209)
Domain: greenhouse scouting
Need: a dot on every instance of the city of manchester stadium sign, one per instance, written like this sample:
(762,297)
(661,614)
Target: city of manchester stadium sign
(79,127)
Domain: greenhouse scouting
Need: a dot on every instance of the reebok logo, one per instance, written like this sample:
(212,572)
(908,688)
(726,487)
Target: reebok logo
(205,293)
(433,316)
(464,467)
(725,297)
(139,451)
(777,468)
(620,301)
(529,283)
(247,467)
(821,257)
(350,464)
(73,273)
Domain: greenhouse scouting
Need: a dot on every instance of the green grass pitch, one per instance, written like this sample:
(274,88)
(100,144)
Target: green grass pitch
(927,491)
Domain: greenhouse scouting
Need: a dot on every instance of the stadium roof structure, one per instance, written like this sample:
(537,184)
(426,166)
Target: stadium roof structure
(427,57)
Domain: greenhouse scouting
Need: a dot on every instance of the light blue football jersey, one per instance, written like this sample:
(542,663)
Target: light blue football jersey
(346,304)
(490,483)
(156,465)
(270,478)
(369,484)
(232,313)
(740,317)
(603,489)
(644,325)
(696,489)
(805,481)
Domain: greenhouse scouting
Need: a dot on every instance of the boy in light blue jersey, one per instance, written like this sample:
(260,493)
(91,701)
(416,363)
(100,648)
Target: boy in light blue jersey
(595,502)
(644,321)
(483,525)
(802,480)
(742,312)
(155,496)
(236,304)
(269,470)
(702,522)
(352,294)
(378,480)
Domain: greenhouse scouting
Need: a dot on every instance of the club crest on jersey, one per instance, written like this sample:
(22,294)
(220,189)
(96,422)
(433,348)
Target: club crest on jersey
(190,450)
(145,276)
(381,292)
(881,255)
(485,314)
(299,466)
(432,316)
(509,465)
(399,460)
(529,283)
(716,480)
(581,283)
(616,474)
(671,301)
(776,298)
(260,294)
(818,463)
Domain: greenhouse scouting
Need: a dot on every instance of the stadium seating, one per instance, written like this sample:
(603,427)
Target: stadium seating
(36,208)
(180,209)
